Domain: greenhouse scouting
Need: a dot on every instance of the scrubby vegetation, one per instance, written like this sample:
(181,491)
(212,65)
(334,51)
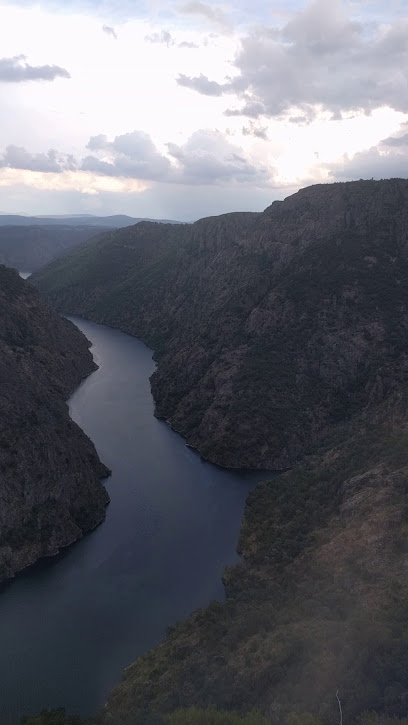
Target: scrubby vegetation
(280,337)
(268,328)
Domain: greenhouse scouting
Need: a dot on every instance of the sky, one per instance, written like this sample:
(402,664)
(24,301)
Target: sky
(181,109)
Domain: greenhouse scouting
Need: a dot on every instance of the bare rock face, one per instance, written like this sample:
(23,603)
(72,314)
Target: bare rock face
(50,489)
(268,328)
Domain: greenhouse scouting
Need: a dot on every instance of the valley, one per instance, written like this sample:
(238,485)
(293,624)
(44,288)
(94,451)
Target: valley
(171,527)
(281,343)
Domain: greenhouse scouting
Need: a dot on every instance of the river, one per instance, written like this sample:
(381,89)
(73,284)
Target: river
(72,623)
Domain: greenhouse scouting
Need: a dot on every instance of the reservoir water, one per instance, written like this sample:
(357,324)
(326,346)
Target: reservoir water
(71,624)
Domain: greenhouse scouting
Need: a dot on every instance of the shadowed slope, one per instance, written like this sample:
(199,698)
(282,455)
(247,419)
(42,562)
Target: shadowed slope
(50,492)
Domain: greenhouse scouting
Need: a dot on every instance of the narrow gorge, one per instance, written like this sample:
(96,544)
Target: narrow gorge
(281,342)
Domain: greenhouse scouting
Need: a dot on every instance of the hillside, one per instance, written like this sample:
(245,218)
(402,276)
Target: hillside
(50,489)
(318,605)
(113,221)
(279,337)
(27,248)
(268,328)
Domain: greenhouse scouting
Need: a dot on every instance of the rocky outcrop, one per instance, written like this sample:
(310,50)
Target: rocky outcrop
(268,328)
(50,488)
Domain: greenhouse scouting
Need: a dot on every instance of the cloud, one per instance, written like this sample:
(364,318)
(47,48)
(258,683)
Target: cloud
(320,60)
(131,155)
(210,13)
(252,110)
(389,159)
(201,84)
(208,157)
(164,38)
(17,70)
(110,31)
(16,157)
(187,44)
(254,129)
(396,141)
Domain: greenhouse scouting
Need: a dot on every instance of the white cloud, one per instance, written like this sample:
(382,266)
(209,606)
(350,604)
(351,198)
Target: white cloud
(17,70)
(108,30)
(131,155)
(208,157)
(388,159)
(163,38)
(67,181)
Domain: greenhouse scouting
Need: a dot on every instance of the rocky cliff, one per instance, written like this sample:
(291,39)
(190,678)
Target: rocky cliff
(279,336)
(50,489)
(268,328)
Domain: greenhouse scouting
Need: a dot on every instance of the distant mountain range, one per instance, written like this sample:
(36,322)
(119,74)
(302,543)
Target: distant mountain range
(29,247)
(115,221)
(27,243)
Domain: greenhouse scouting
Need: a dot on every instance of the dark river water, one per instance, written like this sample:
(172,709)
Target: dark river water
(70,624)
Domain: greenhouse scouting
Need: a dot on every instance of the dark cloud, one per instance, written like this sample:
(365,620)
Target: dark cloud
(208,157)
(110,31)
(320,60)
(16,157)
(17,70)
(210,13)
(201,84)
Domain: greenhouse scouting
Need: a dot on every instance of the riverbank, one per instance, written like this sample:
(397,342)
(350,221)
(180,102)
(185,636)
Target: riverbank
(171,528)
